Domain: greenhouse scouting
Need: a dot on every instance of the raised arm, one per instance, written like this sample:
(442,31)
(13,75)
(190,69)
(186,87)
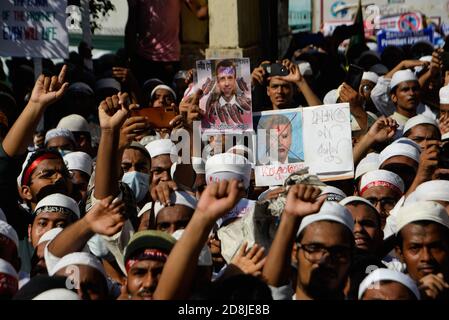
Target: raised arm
(302,200)
(112,113)
(177,276)
(105,218)
(47,90)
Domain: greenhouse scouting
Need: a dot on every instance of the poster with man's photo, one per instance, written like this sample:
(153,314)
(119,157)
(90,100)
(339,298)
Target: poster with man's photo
(279,144)
(226,101)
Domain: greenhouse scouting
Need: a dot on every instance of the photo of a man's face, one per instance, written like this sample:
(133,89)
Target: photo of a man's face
(226,81)
(284,141)
(281,147)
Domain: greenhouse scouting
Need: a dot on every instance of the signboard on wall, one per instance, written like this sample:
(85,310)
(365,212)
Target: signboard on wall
(300,15)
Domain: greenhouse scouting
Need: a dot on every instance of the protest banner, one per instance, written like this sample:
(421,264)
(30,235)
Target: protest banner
(392,38)
(226,102)
(34,28)
(327,141)
(315,137)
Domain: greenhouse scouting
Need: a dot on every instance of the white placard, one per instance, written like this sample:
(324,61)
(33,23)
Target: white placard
(327,139)
(34,28)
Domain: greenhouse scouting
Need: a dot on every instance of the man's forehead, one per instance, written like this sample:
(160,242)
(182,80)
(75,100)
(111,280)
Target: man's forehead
(163,92)
(133,155)
(50,164)
(162,161)
(148,263)
(325,232)
(408,84)
(174,213)
(53,216)
(426,231)
(225,71)
(278,81)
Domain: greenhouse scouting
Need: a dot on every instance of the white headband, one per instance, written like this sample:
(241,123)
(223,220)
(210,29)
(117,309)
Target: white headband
(434,190)
(383,274)
(162,146)
(58,200)
(401,147)
(381,178)
(226,166)
(179,198)
(356,199)
(81,258)
(74,123)
(333,193)
(330,211)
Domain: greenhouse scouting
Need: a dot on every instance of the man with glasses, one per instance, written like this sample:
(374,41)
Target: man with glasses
(325,243)
(369,81)
(383,189)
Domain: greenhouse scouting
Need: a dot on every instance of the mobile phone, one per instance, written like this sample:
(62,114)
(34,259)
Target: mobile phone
(275,69)
(354,77)
(157,118)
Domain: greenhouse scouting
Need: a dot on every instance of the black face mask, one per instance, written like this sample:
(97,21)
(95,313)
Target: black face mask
(58,187)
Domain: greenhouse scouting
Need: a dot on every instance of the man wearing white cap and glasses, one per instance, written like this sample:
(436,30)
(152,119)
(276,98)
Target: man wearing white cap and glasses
(325,242)
(382,189)
(385,284)
(398,93)
(369,81)
(422,232)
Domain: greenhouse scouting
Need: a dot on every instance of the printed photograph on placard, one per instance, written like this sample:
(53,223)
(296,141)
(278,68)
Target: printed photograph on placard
(280,150)
(279,138)
(226,101)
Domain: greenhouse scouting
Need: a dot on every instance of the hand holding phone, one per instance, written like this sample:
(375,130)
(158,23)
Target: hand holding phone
(354,77)
(158,117)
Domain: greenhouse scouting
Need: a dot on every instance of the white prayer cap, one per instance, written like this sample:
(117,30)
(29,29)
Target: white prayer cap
(179,198)
(106,83)
(59,132)
(79,161)
(165,87)
(401,147)
(57,294)
(333,193)
(147,139)
(227,166)
(419,119)
(144,209)
(369,163)
(57,200)
(2,216)
(161,146)
(402,76)
(444,95)
(199,165)
(49,235)
(331,97)
(74,123)
(205,257)
(7,268)
(355,199)
(370,76)
(434,190)
(381,178)
(383,274)
(80,258)
(419,211)
(330,211)
(305,68)
(9,232)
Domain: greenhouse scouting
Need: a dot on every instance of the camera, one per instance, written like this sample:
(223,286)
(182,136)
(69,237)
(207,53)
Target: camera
(275,69)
